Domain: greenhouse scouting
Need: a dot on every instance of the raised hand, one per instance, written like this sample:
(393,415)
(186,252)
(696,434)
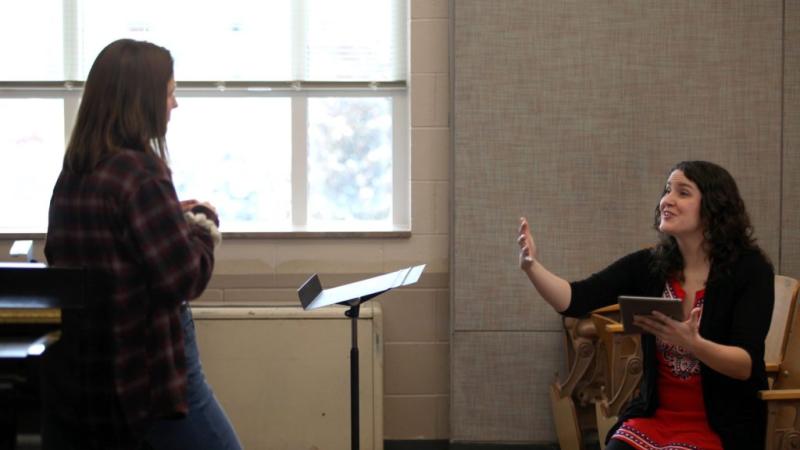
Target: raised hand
(527,252)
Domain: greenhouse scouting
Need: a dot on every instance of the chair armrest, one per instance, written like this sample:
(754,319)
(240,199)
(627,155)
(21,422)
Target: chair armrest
(608,324)
(779,394)
(607,309)
(615,328)
(772,368)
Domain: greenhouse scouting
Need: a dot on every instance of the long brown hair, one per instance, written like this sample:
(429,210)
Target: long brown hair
(124,105)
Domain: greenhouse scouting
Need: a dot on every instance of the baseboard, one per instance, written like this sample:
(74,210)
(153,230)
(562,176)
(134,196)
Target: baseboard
(507,446)
(442,444)
(446,445)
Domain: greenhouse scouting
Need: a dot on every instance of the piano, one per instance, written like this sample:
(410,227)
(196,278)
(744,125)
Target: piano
(32,297)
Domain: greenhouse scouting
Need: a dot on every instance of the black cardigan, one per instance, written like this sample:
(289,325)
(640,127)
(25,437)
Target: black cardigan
(737,311)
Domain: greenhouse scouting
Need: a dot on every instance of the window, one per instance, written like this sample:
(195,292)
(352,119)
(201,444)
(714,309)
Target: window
(292,114)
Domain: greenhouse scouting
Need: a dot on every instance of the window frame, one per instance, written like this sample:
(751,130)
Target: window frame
(299,93)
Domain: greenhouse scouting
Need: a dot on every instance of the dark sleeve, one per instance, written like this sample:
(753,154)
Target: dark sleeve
(752,310)
(624,276)
(178,258)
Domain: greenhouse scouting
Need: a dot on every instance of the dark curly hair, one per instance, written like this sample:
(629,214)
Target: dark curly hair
(726,224)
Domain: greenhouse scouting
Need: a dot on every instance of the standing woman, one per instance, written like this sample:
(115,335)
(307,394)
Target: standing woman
(701,375)
(126,373)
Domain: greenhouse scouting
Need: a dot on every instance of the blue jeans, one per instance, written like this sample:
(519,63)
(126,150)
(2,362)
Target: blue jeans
(205,426)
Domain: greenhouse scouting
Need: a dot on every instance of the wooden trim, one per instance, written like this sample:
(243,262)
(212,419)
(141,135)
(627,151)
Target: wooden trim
(52,315)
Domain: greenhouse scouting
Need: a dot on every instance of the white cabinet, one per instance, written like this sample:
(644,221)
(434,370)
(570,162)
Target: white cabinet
(283,374)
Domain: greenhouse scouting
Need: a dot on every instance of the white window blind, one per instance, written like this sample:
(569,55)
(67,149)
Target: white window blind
(235,40)
(341,45)
(31,32)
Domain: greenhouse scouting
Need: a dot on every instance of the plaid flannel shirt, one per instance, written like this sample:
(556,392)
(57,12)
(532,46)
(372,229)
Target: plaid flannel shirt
(122,360)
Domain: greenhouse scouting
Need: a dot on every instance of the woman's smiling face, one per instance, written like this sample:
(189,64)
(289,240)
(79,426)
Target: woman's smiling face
(680,207)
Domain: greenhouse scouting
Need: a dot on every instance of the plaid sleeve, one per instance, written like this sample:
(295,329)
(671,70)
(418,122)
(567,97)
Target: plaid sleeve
(178,258)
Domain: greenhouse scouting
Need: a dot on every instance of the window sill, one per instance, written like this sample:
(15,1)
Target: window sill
(391,234)
(400,234)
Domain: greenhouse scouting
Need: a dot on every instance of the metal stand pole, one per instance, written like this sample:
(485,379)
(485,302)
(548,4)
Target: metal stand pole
(352,313)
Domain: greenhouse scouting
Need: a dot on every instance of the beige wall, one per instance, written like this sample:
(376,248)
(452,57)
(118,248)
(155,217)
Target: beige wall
(571,113)
(416,319)
(790,230)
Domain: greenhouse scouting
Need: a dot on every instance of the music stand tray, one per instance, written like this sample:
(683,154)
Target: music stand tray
(313,296)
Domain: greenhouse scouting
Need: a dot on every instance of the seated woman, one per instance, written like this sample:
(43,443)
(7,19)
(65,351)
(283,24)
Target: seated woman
(702,374)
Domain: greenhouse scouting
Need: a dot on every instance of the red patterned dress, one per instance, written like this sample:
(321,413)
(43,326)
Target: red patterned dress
(680,421)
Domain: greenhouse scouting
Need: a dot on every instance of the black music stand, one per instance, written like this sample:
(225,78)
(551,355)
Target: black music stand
(312,296)
(32,296)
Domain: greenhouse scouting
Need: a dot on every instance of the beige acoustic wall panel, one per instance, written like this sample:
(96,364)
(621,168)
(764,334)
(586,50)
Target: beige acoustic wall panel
(283,374)
(502,400)
(572,113)
(790,236)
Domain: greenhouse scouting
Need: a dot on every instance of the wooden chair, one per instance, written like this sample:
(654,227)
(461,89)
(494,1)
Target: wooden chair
(573,400)
(624,369)
(782,357)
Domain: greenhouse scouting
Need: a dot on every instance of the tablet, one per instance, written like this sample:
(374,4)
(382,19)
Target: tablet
(630,306)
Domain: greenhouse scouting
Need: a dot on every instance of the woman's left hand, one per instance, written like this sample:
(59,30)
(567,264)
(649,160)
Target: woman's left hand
(675,332)
(187,205)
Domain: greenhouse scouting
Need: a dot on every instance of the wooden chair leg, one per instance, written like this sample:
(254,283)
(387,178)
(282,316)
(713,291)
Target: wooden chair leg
(604,422)
(566,419)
